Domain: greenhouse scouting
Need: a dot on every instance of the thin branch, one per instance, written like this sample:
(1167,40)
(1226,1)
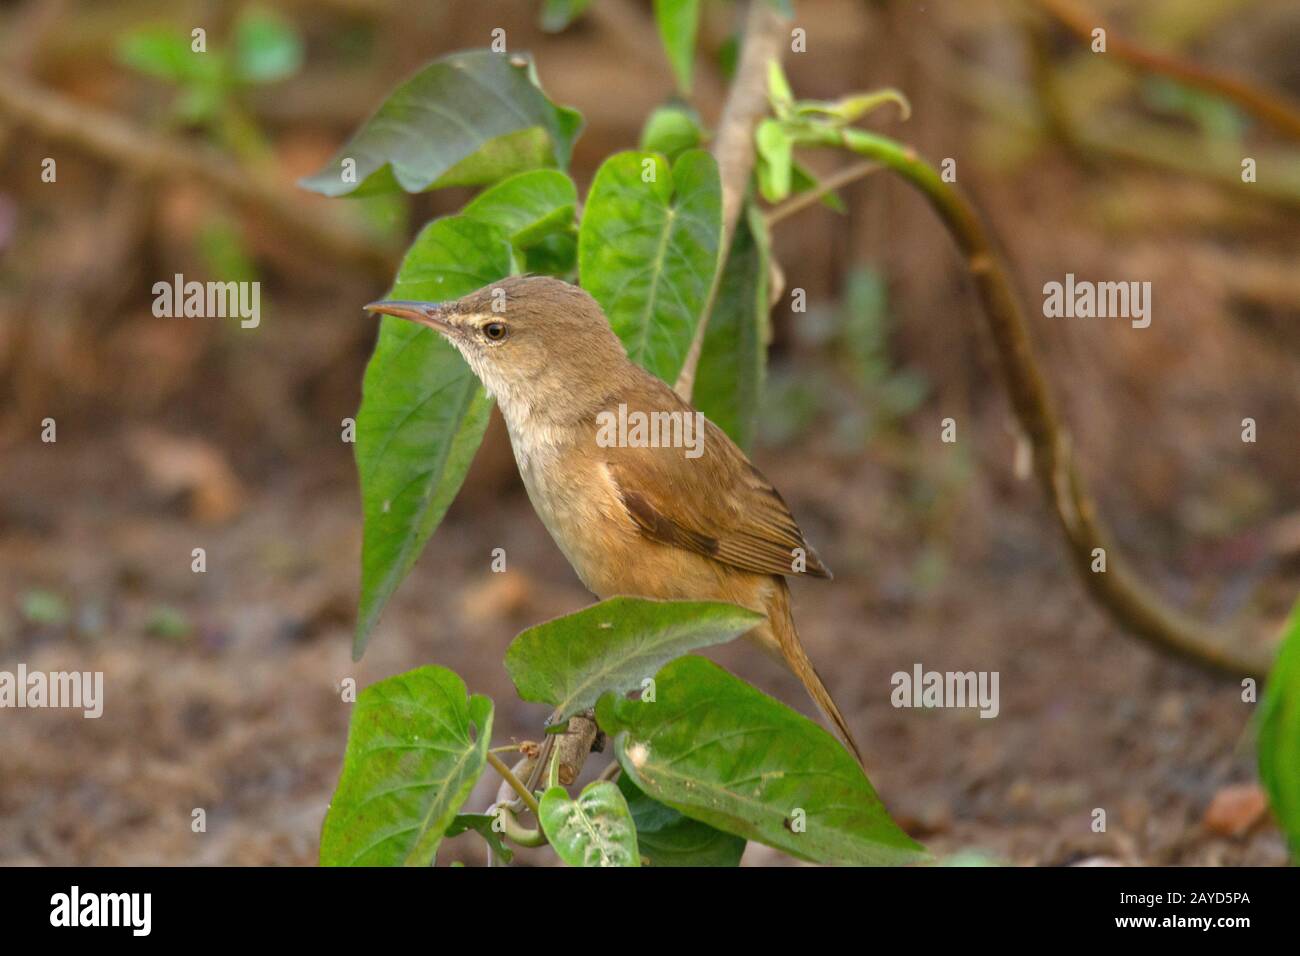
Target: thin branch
(1116,589)
(813,196)
(733,147)
(515,783)
(1267,105)
(151,156)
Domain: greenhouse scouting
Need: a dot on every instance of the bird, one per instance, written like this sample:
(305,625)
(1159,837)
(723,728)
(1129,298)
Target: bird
(684,519)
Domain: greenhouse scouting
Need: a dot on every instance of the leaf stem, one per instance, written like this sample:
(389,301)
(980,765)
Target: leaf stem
(515,783)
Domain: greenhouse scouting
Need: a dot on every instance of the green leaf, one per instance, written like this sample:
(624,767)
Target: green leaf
(416,747)
(779,93)
(647,251)
(594,830)
(423,413)
(671,130)
(168,623)
(679,21)
(481,823)
(558,14)
(785,7)
(267,47)
(465,119)
(775,159)
(853,107)
(45,608)
(733,360)
(1279,734)
(556,255)
(728,56)
(613,646)
(529,206)
(667,838)
(722,752)
(167,55)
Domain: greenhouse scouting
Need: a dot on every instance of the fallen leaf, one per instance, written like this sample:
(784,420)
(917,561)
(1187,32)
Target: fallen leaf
(1235,809)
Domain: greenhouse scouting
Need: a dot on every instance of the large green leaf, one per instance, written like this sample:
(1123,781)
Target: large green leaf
(726,754)
(529,206)
(733,361)
(613,646)
(416,747)
(647,251)
(594,830)
(555,255)
(668,838)
(465,119)
(423,413)
(679,21)
(1279,734)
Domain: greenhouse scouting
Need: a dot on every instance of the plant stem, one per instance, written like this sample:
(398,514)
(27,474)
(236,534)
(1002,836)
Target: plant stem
(733,147)
(828,185)
(1126,599)
(515,783)
(519,834)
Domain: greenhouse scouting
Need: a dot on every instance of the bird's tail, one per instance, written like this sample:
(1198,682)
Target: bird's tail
(791,650)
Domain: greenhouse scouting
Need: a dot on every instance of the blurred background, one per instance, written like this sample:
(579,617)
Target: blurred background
(222,688)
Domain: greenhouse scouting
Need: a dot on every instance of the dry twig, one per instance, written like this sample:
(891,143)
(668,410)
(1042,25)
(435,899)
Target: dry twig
(1267,105)
(150,156)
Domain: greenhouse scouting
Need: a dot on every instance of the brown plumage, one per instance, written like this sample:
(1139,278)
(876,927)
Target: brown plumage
(654,522)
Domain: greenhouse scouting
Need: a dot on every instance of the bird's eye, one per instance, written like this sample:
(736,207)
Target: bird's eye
(495,331)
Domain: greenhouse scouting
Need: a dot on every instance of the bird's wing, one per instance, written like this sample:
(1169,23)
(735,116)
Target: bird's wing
(718,504)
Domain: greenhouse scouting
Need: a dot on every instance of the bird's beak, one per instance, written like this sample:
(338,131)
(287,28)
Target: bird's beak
(428,314)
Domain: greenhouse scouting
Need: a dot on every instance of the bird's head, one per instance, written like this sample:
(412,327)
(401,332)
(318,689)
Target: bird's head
(541,346)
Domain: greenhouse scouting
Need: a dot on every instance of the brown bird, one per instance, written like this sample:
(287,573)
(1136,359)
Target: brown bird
(642,493)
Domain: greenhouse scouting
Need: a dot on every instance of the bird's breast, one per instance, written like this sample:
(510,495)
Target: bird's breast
(577,502)
(571,490)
